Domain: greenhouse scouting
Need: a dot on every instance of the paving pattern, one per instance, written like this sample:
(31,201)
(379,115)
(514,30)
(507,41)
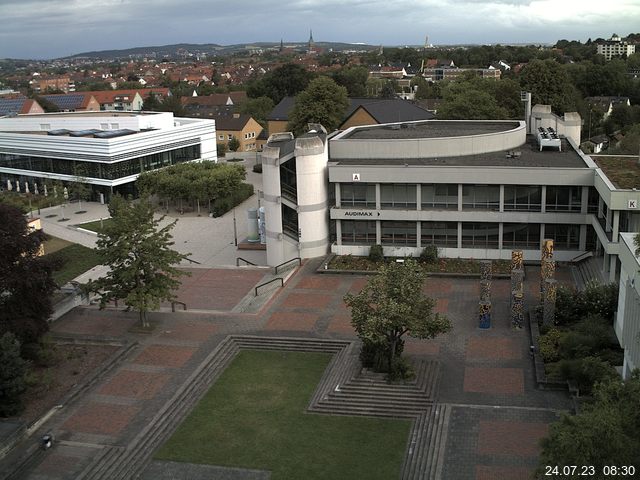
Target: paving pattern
(486,415)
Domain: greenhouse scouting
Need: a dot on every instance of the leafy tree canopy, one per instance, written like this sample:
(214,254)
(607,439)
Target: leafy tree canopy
(323,102)
(142,265)
(285,81)
(12,375)
(259,108)
(25,279)
(393,304)
(475,99)
(549,84)
(354,79)
(604,433)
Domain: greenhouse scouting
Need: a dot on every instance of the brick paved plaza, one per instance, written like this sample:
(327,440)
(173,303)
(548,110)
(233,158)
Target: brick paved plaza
(497,413)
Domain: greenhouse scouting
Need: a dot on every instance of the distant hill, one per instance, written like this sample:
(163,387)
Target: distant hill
(210,49)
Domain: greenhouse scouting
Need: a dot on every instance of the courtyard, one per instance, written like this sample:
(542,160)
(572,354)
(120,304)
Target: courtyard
(495,414)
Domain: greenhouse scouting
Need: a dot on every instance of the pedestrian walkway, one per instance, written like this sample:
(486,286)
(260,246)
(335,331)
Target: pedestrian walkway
(494,418)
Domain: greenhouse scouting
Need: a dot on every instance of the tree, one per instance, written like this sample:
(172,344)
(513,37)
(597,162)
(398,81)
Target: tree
(259,108)
(389,89)
(549,84)
(141,262)
(151,103)
(322,102)
(604,433)
(391,305)
(12,375)
(631,142)
(285,81)
(470,100)
(80,187)
(234,144)
(354,79)
(25,279)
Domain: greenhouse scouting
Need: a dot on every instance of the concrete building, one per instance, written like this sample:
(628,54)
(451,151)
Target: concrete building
(475,189)
(108,149)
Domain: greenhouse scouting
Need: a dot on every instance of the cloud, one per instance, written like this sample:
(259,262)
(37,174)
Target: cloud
(49,28)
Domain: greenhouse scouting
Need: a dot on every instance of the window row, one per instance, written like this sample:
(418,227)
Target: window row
(474,197)
(445,234)
(108,171)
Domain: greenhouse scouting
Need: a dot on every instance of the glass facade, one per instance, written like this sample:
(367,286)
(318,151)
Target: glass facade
(565,237)
(440,196)
(358,232)
(398,195)
(563,199)
(521,235)
(358,195)
(480,235)
(441,234)
(102,170)
(399,233)
(288,180)
(481,197)
(520,198)
(290,222)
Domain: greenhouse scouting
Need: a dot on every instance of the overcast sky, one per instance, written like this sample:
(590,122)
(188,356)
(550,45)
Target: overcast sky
(55,28)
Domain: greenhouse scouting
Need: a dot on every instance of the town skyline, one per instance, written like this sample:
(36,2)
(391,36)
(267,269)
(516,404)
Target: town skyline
(38,29)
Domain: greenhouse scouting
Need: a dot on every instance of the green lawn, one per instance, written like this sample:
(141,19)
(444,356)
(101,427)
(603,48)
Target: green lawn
(254,417)
(76,259)
(94,226)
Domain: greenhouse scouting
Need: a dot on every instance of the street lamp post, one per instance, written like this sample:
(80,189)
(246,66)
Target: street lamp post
(235,229)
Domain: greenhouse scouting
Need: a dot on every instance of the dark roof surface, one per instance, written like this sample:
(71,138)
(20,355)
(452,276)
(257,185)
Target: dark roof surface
(228,122)
(69,101)
(382,109)
(529,156)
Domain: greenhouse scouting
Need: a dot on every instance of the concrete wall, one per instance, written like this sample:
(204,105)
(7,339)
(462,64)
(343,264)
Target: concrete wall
(570,125)
(313,193)
(429,147)
(357,118)
(627,321)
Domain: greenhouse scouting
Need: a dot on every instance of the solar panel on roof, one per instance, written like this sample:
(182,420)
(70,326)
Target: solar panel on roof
(11,105)
(66,102)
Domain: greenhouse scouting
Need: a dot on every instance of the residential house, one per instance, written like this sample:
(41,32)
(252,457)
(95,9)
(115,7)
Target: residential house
(240,126)
(361,111)
(127,100)
(606,103)
(19,105)
(74,102)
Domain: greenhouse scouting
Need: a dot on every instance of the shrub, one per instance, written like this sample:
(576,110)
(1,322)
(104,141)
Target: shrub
(376,253)
(222,149)
(572,306)
(585,372)
(429,254)
(588,337)
(549,345)
(222,205)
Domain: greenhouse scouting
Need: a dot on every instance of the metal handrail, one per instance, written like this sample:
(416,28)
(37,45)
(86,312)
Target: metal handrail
(192,261)
(581,257)
(173,305)
(275,269)
(267,283)
(244,260)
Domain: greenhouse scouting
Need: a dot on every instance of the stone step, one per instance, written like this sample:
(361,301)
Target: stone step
(357,410)
(346,392)
(415,450)
(434,460)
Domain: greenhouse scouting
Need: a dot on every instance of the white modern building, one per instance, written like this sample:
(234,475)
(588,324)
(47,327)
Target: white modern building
(615,47)
(627,322)
(108,149)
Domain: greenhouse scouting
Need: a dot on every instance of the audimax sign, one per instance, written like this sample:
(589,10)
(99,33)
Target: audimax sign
(361,213)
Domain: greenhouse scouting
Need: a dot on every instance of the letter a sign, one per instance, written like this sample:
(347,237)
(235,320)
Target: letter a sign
(356,177)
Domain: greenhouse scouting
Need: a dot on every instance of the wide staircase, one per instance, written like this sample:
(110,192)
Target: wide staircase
(587,271)
(344,389)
